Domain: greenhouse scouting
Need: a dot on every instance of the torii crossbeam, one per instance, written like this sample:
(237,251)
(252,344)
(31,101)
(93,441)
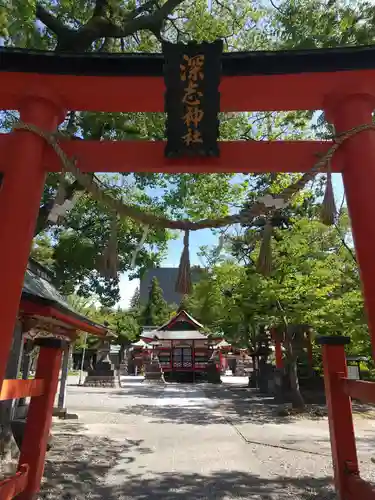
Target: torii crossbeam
(147,156)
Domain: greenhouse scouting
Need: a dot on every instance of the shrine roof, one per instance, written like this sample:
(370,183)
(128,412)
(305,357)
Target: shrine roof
(175,335)
(151,65)
(41,297)
(180,318)
(37,284)
(182,326)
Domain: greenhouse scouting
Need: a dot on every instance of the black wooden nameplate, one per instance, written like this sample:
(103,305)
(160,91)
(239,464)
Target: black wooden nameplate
(192,99)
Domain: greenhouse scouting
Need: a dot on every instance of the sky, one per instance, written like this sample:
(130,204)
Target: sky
(197,239)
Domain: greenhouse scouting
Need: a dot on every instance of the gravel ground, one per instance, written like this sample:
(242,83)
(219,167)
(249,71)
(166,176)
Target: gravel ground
(181,443)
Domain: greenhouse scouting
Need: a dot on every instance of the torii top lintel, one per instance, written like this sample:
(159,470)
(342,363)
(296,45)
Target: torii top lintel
(251,81)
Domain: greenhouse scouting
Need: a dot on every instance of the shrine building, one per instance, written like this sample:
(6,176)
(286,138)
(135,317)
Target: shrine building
(182,345)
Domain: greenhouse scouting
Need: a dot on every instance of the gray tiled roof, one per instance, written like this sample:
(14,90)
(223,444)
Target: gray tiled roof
(175,335)
(38,287)
(167,277)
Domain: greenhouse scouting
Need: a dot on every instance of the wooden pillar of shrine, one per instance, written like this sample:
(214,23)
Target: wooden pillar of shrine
(20,197)
(39,418)
(345,112)
(278,350)
(340,419)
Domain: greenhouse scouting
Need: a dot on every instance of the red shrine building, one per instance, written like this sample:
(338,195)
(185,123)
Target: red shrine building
(182,346)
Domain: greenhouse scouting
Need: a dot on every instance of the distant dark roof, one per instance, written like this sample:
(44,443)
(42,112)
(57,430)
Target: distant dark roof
(37,288)
(167,277)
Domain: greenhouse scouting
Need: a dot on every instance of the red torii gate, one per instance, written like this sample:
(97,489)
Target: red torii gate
(42,86)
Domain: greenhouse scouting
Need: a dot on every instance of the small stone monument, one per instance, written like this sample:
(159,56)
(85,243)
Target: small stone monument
(240,368)
(103,375)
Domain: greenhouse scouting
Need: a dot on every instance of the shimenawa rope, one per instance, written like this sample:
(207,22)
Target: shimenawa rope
(124,210)
(147,219)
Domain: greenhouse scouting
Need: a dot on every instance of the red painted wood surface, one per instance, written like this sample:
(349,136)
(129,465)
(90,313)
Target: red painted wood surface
(20,196)
(339,417)
(39,420)
(11,487)
(15,389)
(359,389)
(278,350)
(359,181)
(238,93)
(359,489)
(278,355)
(148,156)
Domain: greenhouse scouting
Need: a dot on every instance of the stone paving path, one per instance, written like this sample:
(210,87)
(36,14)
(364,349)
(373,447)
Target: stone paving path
(181,442)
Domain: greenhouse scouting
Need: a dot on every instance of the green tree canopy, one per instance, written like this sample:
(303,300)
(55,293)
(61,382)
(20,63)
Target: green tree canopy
(315,280)
(156,311)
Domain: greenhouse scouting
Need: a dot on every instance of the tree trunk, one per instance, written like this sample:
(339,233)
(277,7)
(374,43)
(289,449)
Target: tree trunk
(61,404)
(121,353)
(297,399)
(9,451)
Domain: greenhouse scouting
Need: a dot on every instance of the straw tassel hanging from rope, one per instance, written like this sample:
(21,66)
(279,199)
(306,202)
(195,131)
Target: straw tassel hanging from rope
(183,284)
(57,211)
(139,247)
(264,264)
(328,210)
(109,259)
(61,190)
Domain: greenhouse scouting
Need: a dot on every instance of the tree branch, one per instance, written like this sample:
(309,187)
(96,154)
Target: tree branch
(100,8)
(51,22)
(99,26)
(141,9)
(345,245)
(148,22)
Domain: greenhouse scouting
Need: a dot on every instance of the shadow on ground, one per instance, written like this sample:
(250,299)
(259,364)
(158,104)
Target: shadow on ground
(223,485)
(246,404)
(177,415)
(77,463)
(174,391)
(80,481)
(239,405)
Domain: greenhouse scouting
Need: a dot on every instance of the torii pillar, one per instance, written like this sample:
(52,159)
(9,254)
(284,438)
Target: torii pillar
(20,196)
(346,111)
